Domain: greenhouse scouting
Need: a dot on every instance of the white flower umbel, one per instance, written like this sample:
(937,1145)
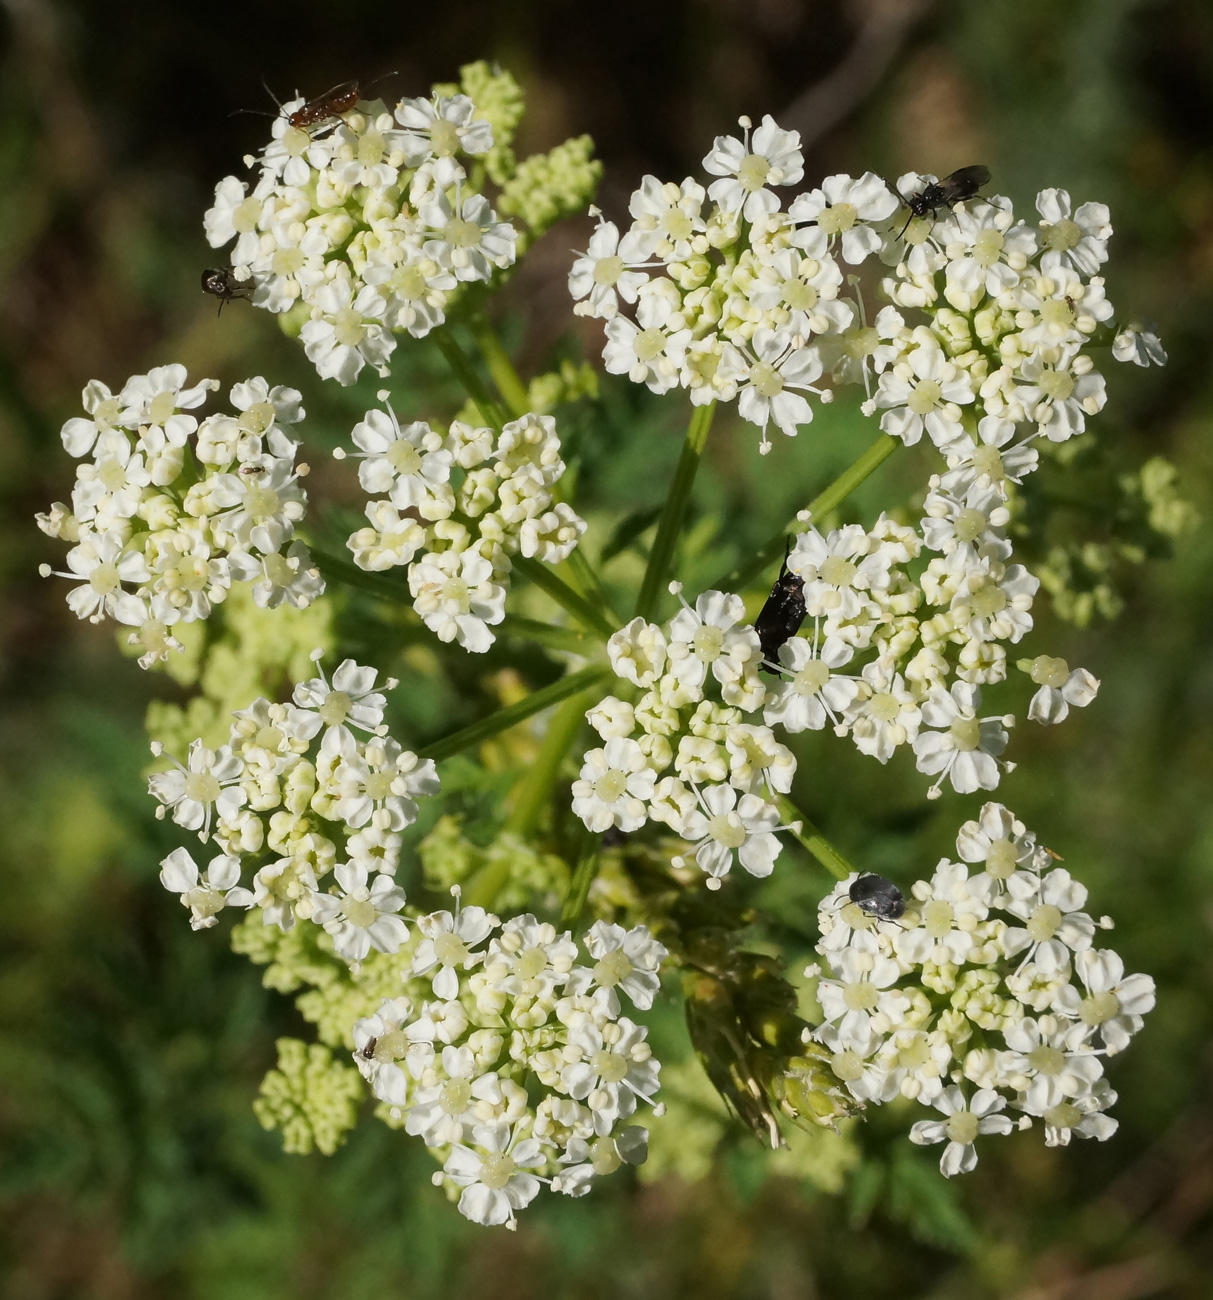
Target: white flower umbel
(966,748)
(495,1179)
(844,208)
(747,166)
(782,369)
(615,781)
(350,701)
(362,916)
(988,981)
(1061,688)
(727,826)
(205,893)
(206,785)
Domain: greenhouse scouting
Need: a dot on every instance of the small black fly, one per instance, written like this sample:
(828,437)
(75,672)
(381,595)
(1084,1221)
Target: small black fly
(878,897)
(221,282)
(368,1049)
(960,185)
(780,618)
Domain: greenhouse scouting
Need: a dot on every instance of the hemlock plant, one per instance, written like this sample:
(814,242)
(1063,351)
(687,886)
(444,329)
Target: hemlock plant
(507,1032)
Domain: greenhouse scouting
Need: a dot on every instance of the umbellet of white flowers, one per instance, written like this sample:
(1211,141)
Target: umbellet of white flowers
(305,804)
(454,508)
(168,512)
(988,993)
(517,1067)
(367,222)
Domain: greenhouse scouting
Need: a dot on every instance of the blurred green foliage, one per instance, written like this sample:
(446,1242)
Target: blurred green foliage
(131,1050)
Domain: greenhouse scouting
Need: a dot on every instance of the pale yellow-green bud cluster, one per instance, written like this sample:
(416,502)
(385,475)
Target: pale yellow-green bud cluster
(310,1099)
(524,876)
(547,187)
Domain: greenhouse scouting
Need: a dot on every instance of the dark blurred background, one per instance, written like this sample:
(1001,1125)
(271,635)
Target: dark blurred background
(131,1165)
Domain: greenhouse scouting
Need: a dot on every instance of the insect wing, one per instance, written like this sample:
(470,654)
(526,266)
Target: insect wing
(962,184)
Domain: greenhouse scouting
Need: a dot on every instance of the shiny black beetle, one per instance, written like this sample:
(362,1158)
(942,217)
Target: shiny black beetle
(780,618)
(221,282)
(878,897)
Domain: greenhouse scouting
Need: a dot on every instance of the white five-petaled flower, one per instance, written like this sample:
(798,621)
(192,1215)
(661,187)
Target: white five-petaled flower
(1054,926)
(204,893)
(1115,1002)
(410,463)
(782,369)
(923,391)
(601,275)
(350,701)
(771,156)
(966,1121)
(625,959)
(728,825)
(456,597)
(846,206)
(1079,239)
(812,690)
(494,1179)
(614,784)
(101,565)
(449,942)
(1061,688)
(361,916)
(965,748)
(207,784)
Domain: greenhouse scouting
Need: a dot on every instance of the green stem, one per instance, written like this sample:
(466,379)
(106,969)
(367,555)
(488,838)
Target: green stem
(816,843)
(831,498)
(376,584)
(547,634)
(583,877)
(460,363)
(591,618)
(657,573)
(586,576)
(501,368)
(508,717)
(532,791)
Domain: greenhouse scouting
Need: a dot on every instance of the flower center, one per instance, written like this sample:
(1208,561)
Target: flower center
(450,949)
(610,785)
(604,1156)
(884,706)
(257,418)
(988,461)
(1042,924)
(347,328)
(708,642)
(455,594)
(455,1096)
(496,1171)
(335,709)
(204,901)
(1098,1008)
(676,224)
(391,1046)
(969,525)
(838,572)
(378,785)
(1062,235)
(937,918)
(1047,1060)
(753,171)
(607,270)
(1057,314)
(104,579)
(861,996)
(295,141)
(727,829)
(370,148)
(262,502)
(1056,384)
(847,1066)
(245,215)
(612,968)
(1063,1115)
(532,962)
(610,1066)
(837,218)
(1047,671)
(986,247)
(767,381)
(799,296)
(461,234)
(202,787)
(403,457)
(988,600)
(925,396)
(409,282)
(811,678)
(444,136)
(359,911)
(650,343)
(278,570)
(962,1127)
(966,734)
(1001,858)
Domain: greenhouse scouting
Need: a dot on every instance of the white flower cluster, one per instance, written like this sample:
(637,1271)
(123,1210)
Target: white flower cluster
(167,513)
(454,508)
(731,297)
(679,757)
(951,620)
(988,991)
(367,221)
(520,1069)
(296,796)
